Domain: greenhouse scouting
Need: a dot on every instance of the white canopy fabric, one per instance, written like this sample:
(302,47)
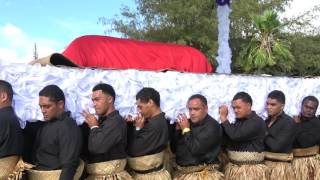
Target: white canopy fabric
(174,88)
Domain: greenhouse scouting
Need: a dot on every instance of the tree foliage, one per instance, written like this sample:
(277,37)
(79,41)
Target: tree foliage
(266,52)
(307,54)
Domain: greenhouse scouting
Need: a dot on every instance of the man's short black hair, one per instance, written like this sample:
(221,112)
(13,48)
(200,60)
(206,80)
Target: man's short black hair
(245,97)
(147,93)
(277,95)
(106,89)
(53,92)
(6,88)
(311,98)
(200,97)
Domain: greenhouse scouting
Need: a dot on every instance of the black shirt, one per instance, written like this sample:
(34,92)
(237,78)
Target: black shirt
(11,139)
(200,145)
(29,137)
(280,136)
(109,140)
(245,134)
(152,138)
(58,146)
(308,133)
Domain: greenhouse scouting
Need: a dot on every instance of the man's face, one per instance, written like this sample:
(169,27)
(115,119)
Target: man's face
(101,102)
(274,107)
(197,110)
(144,108)
(241,109)
(50,109)
(308,108)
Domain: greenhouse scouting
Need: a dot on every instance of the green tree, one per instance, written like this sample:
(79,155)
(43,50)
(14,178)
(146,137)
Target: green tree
(188,22)
(267,52)
(306,51)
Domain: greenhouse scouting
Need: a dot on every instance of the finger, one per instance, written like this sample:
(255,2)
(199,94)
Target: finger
(184,117)
(129,118)
(83,114)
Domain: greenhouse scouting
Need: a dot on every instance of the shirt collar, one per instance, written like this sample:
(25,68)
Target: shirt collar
(158,116)
(109,116)
(61,117)
(250,116)
(199,123)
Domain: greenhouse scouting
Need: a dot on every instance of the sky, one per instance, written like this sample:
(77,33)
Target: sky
(53,24)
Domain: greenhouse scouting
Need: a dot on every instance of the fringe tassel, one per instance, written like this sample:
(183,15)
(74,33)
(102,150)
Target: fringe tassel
(118,176)
(280,170)
(246,172)
(209,173)
(306,168)
(157,175)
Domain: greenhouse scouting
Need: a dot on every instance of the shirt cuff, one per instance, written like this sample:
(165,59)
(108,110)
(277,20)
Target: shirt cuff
(93,127)
(138,129)
(185,130)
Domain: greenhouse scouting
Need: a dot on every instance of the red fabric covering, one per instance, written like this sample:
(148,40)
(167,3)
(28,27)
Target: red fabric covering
(117,53)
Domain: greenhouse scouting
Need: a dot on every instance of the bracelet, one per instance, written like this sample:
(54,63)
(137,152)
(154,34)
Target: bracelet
(185,130)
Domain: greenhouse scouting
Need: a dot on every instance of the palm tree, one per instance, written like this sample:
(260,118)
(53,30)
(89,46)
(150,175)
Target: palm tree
(267,52)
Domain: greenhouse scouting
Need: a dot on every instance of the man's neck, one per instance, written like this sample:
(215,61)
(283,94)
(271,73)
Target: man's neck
(4,105)
(304,118)
(155,112)
(110,110)
(275,117)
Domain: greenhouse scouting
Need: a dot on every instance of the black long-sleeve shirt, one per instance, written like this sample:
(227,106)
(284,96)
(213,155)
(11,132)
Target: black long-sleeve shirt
(152,138)
(29,136)
(281,135)
(200,145)
(307,133)
(109,140)
(245,134)
(11,139)
(58,145)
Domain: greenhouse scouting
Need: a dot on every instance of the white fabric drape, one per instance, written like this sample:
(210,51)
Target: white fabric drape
(174,88)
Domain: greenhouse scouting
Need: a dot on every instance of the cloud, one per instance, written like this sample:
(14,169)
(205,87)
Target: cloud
(17,46)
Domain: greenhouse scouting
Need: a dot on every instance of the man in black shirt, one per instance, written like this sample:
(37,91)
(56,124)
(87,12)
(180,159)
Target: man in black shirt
(148,137)
(244,140)
(58,141)
(196,142)
(107,140)
(279,138)
(306,144)
(11,139)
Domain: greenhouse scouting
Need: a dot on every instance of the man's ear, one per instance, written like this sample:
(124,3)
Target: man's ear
(206,108)
(3,97)
(60,104)
(110,99)
(150,102)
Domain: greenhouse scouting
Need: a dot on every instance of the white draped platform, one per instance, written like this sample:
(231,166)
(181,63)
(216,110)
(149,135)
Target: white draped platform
(174,88)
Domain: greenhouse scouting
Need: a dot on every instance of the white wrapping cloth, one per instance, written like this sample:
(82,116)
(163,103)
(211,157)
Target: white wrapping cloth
(174,88)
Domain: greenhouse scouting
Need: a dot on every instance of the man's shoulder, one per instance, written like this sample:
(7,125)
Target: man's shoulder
(118,118)
(115,121)
(68,121)
(210,120)
(286,119)
(7,114)
(158,122)
(256,117)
